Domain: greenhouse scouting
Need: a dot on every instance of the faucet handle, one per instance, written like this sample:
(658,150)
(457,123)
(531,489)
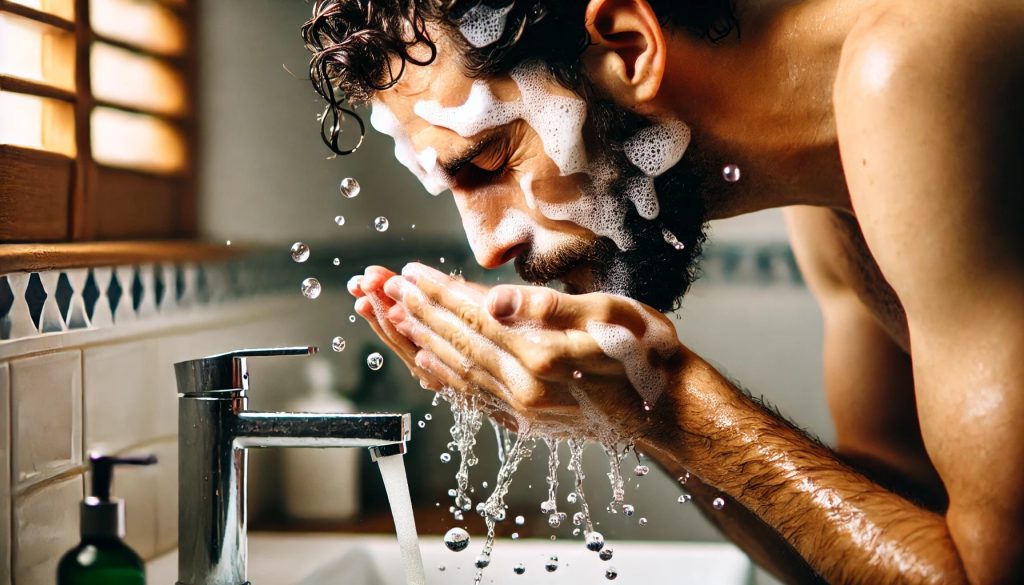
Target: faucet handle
(226,371)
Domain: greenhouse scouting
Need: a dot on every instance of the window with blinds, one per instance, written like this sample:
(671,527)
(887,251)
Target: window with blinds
(97,120)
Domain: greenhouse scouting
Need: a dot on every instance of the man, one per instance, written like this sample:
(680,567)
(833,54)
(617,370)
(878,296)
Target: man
(587,141)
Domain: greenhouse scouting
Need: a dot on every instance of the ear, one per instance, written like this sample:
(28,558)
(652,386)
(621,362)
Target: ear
(626,60)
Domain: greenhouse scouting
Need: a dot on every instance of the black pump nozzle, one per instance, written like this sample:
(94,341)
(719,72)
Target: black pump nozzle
(103,471)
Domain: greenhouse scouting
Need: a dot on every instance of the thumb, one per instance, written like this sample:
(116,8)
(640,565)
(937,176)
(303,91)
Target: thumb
(535,304)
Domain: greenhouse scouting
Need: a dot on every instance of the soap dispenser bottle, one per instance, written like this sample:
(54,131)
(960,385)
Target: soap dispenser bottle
(102,557)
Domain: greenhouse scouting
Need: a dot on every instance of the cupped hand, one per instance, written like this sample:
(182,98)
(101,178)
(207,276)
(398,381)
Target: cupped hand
(546,354)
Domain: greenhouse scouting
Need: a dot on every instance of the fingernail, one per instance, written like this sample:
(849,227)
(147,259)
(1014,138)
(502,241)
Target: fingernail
(410,272)
(393,288)
(504,302)
(353,283)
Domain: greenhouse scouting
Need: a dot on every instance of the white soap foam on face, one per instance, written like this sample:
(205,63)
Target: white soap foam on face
(513,228)
(526,184)
(385,122)
(640,191)
(483,26)
(657,148)
(557,119)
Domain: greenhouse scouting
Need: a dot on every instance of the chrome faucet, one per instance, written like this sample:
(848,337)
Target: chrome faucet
(214,432)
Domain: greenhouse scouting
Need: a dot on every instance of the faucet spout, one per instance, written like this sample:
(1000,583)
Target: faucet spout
(288,429)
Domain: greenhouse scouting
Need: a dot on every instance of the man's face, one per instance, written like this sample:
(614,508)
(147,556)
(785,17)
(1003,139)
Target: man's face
(534,183)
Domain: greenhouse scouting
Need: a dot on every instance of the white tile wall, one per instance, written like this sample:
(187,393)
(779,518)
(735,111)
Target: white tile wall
(5,475)
(120,389)
(45,527)
(137,486)
(46,409)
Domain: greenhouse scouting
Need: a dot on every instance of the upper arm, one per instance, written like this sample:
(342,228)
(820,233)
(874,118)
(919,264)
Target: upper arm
(930,119)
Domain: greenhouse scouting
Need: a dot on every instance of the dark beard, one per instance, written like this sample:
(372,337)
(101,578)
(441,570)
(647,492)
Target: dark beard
(653,271)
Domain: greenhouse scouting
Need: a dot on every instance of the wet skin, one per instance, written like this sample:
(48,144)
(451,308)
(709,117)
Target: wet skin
(891,131)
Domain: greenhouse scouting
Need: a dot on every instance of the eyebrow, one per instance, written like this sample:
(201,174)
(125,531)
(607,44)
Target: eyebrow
(454,163)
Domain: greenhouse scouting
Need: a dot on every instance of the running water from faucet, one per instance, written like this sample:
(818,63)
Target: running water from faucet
(392,471)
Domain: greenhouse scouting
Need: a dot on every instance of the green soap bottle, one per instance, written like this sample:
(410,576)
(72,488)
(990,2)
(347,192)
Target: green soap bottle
(102,558)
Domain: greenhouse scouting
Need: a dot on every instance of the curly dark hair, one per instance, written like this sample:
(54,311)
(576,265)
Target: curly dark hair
(354,41)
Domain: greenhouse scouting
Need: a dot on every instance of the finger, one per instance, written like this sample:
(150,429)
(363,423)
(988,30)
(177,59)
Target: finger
(353,286)
(546,353)
(398,343)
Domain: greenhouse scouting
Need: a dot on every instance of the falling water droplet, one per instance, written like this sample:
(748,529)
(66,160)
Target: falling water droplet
(552,565)
(440,568)
(684,498)
(595,541)
(338,344)
(515,536)
(520,520)
(571,498)
(643,522)
(452,492)
(311,288)
(381,224)
(445,457)
(641,470)
(300,252)
(554,521)
(375,361)
(349,188)
(611,574)
(435,401)
(577,518)
(339,219)
(627,509)
(428,416)
(228,243)
(519,569)
(456,539)
(547,506)
(336,261)
(682,479)
(351,318)
(576,374)
(484,485)
(421,424)
(442,259)
(606,554)
(731,173)
(718,503)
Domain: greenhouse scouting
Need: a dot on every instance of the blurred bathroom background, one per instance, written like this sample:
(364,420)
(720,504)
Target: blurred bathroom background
(265,180)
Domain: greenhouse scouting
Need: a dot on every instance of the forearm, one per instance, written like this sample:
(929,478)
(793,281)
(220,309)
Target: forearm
(847,528)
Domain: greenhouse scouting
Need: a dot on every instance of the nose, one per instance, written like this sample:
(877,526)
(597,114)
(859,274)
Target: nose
(496,234)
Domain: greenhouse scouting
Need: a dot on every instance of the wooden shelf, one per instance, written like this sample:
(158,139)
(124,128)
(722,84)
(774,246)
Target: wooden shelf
(40,257)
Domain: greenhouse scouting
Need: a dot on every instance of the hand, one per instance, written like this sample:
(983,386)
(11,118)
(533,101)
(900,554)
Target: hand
(544,354)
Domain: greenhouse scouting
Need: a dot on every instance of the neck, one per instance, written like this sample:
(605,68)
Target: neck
(763,101)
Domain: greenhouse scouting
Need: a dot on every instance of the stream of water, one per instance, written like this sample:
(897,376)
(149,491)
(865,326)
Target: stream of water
(392,470)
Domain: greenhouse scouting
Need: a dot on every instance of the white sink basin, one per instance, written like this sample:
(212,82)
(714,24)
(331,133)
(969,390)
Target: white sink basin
(283,559)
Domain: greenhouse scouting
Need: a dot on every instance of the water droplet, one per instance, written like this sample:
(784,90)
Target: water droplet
(553,538)
(552,565)
(595,541)
(682,479)
(577,518)
(606,554)
(349,188)
(575,531)
(381,224)
(554,521)
(547,506)
(571,498)
(421,424)
(338,344)
(300,252)
(442,259)
(718,503)
(445,457)
(647,406)
(482,560)
(457,515)
(484,485)
(351,318)
(519,569)
(520,520)
(643,522)
(336,261)
(515,536)
(464,502)
(576,374)
(456,539)
(413,226)
(440,568)
(731,173)
(227,243)
(375,361)
(627,509)
(339,219)
(434,402)
(684,498)
(452,492)
(611,574)
(641,470)
(311,288)
(428,416)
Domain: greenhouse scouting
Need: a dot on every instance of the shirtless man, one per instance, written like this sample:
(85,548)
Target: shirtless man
(890,130)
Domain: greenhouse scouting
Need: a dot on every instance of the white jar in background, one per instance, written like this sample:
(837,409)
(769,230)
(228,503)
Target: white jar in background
(321,484)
